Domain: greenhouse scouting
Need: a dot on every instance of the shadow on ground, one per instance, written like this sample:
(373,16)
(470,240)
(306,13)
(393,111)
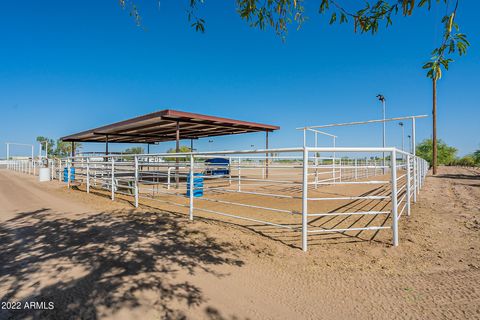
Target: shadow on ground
(121,256)
(472,176)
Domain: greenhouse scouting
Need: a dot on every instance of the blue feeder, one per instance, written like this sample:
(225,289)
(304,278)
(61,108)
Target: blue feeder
(197,185)
(65,174)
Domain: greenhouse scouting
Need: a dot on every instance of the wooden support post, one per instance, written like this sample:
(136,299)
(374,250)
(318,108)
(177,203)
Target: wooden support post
(73,154)
(106,145)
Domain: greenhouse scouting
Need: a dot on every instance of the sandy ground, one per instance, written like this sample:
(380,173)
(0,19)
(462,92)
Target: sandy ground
(94,258)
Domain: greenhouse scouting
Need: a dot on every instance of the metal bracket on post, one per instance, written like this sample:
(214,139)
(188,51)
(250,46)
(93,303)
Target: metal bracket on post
(393,166)
(113,179)
(305,201)
(88,175)
(190,211)
(136,182)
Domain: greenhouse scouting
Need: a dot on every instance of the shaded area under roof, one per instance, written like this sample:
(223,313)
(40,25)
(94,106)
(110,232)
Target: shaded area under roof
(162,126)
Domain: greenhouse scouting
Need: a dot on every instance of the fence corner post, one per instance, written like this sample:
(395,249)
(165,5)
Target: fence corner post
(305,201)
(393,167)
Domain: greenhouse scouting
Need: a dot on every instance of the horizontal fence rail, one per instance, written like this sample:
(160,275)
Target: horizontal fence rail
(299,191)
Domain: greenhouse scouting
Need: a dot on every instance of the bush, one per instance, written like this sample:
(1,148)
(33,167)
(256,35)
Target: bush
(467,161)
(445,153)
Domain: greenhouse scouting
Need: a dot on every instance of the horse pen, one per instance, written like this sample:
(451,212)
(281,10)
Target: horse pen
(292,195)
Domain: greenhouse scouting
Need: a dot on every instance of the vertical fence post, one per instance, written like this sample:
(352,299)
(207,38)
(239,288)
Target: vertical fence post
(88,175)
(190,211)
(393,166)
(334,174)
(60,173)
(112,182)
(136,182)
(305,200)
(230,171)
(239,169)
(408,185)
(68,172)
(366,167)
(423,174)
(340,167)
(419,179)
(356,169)
(168,177)
(415,178)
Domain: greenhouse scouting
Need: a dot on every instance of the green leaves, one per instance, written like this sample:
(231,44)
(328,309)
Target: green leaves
(276,14)
(453,42)
(333,18)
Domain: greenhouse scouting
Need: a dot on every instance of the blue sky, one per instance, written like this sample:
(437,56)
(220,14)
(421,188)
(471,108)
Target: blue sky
(68,66)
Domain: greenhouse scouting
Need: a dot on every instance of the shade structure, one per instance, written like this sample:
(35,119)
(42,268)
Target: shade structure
(167,125)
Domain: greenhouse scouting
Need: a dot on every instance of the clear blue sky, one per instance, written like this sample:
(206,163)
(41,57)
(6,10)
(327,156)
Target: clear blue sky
(68,66)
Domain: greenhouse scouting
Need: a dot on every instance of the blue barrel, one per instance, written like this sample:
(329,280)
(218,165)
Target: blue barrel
(197,185)
(65,174)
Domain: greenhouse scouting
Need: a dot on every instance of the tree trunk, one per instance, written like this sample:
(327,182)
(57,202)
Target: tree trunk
(434,127)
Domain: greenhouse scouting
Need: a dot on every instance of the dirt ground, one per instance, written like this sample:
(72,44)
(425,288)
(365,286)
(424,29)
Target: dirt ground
(98,259)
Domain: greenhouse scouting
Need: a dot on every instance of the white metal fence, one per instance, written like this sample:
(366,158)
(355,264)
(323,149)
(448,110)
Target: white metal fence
(294,193)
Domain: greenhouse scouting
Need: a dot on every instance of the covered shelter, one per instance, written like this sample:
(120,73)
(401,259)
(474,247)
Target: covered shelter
(167,125)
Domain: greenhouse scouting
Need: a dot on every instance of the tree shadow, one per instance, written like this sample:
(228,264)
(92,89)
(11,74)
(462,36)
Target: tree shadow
(121,255)
(473,176)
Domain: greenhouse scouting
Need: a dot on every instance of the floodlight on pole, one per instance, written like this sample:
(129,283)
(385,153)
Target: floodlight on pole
(403,134)
(381,98)
(410,143)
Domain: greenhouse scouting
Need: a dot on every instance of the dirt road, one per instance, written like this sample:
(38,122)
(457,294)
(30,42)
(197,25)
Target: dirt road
(94,258)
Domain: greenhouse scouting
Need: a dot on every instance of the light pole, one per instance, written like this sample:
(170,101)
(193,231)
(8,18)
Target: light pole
(381,98)
(403,134)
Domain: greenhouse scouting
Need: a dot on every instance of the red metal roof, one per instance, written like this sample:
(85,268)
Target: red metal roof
(161,125)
